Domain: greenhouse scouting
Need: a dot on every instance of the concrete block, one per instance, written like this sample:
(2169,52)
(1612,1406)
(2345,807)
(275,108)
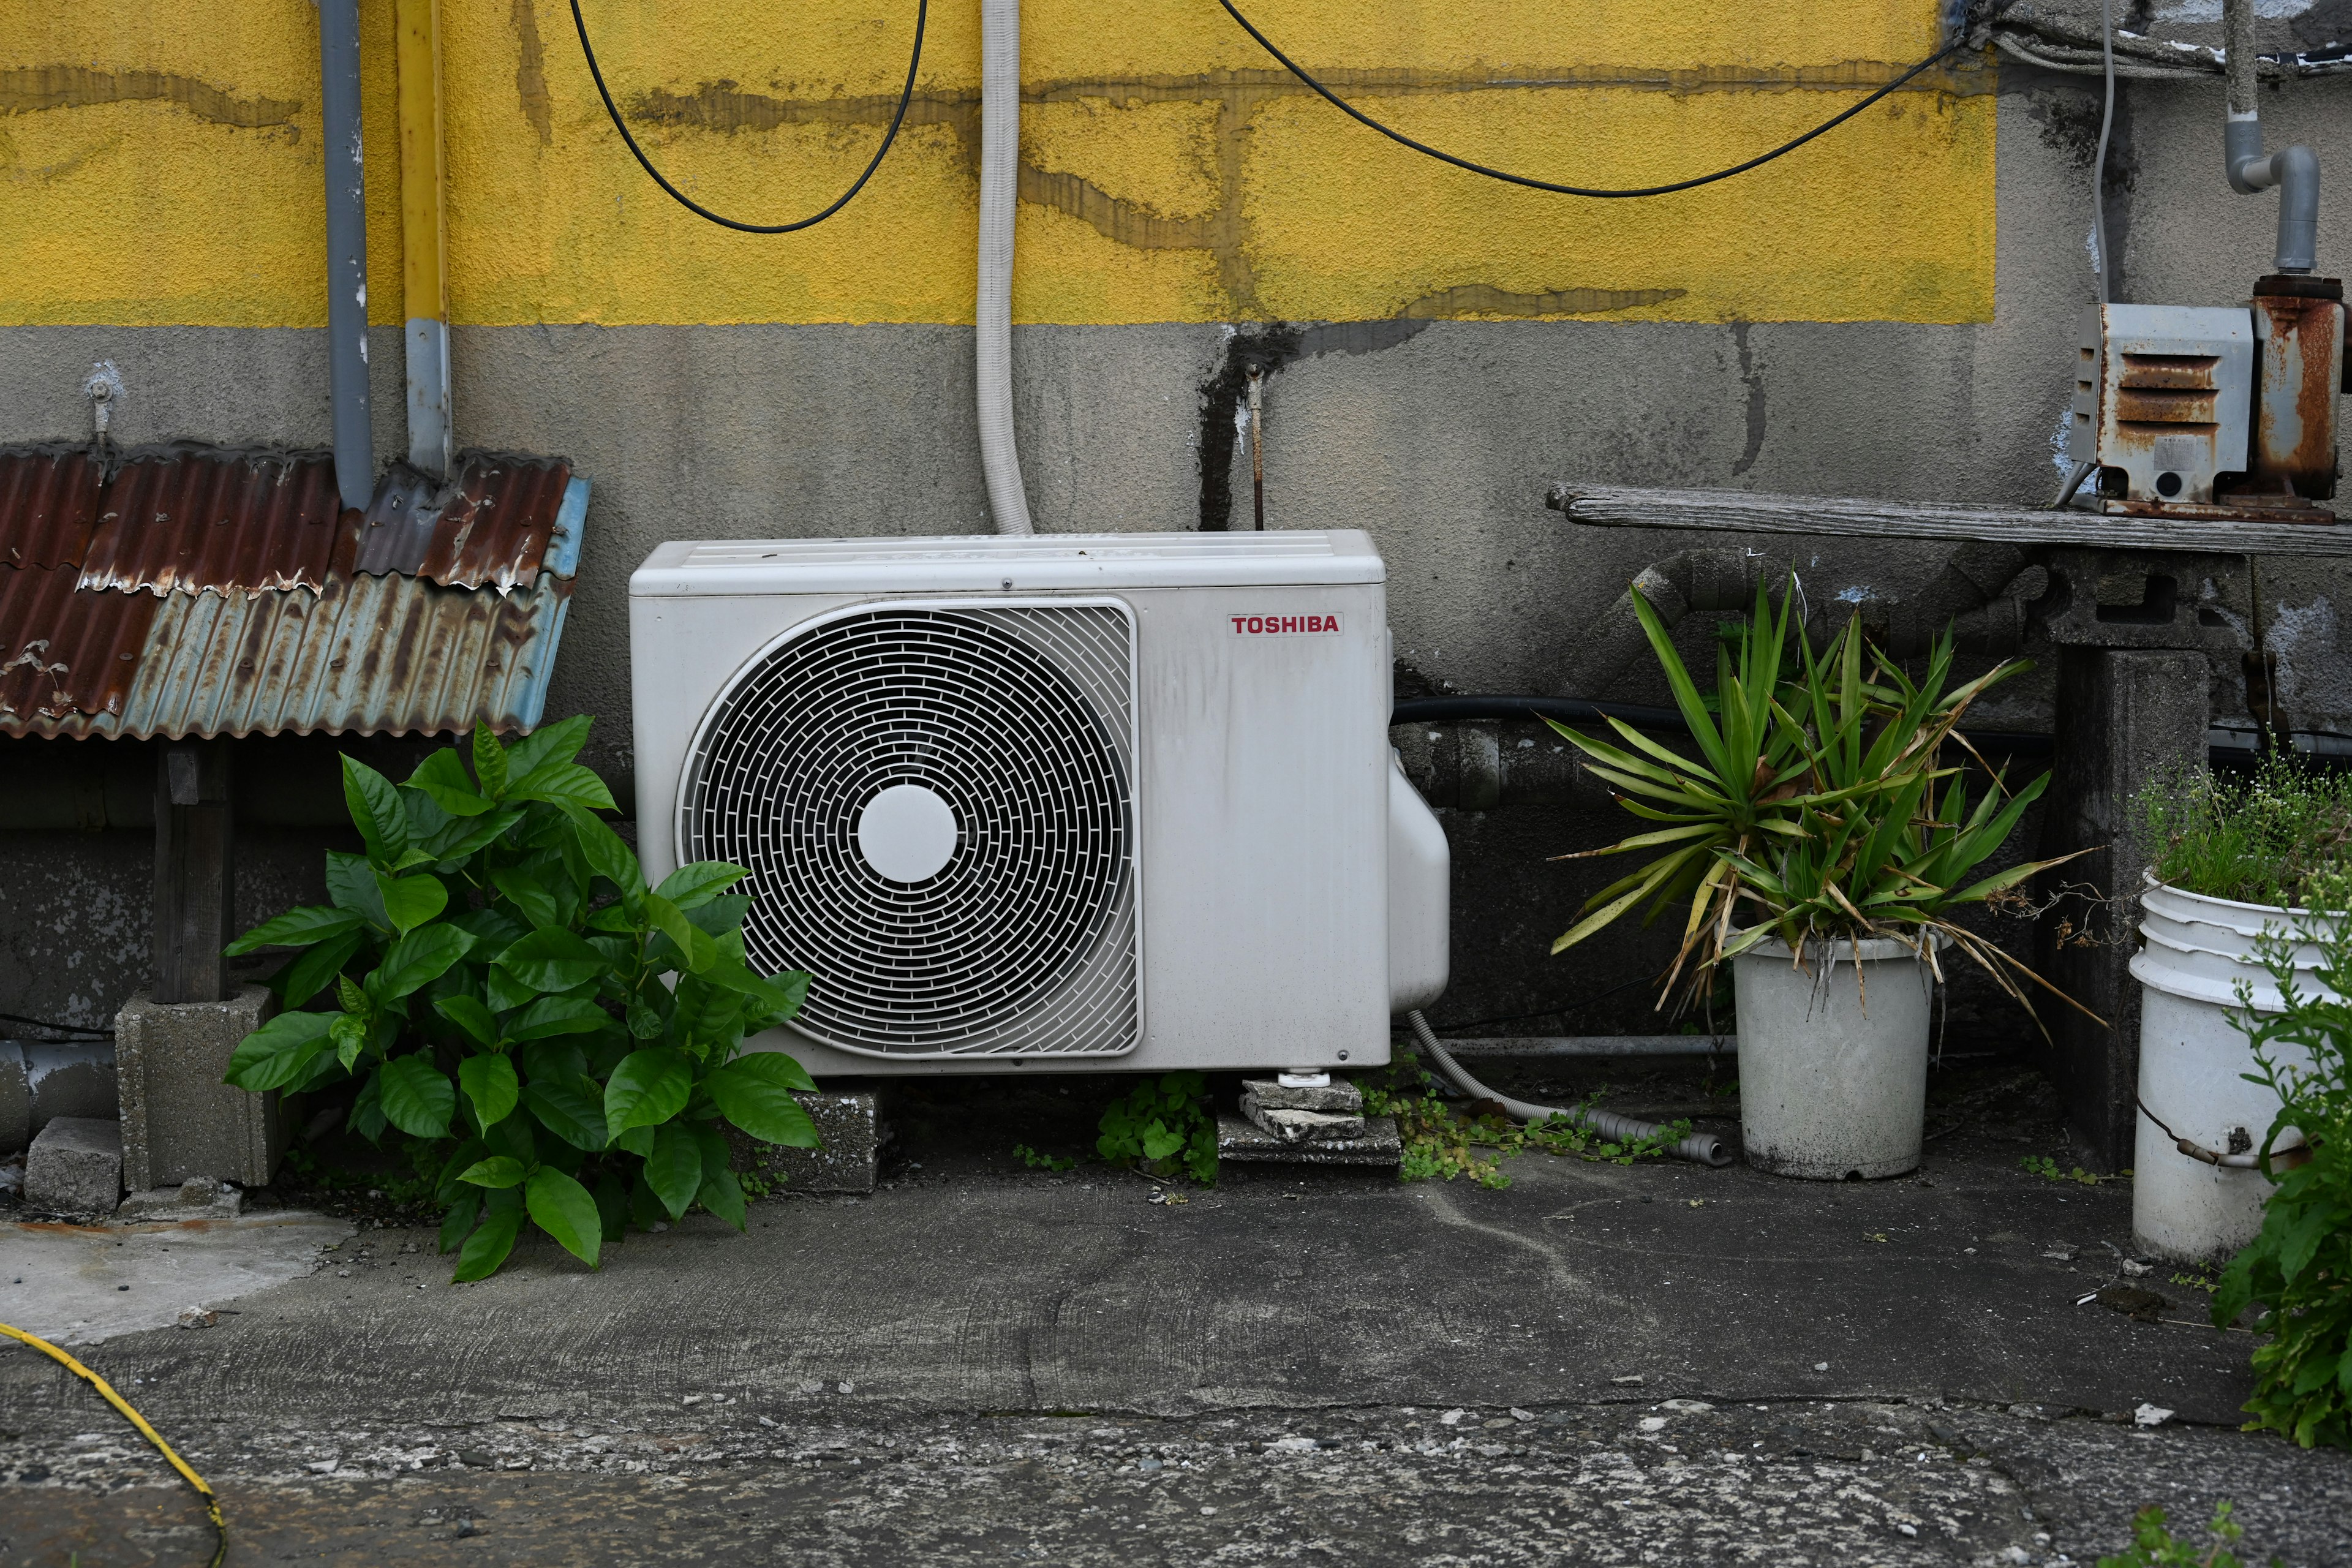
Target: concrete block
(179,1120)
(198,1197)
(1339,1097)
(1239,1140)
(848,1119)
(74,1168)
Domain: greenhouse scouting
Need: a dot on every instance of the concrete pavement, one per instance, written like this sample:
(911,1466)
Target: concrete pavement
(977,1362)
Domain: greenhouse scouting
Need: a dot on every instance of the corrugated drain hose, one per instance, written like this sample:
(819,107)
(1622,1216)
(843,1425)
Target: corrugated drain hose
(1699,1148)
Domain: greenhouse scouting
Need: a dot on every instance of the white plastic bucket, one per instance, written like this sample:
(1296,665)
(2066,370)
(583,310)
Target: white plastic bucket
(2192,1059)
(1833,1058)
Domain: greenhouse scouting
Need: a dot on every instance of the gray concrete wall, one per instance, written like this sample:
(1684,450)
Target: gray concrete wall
(1440,437)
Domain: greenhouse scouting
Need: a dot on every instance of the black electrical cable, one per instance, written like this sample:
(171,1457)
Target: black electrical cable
(905,96)
(92,1034)
(1349,110)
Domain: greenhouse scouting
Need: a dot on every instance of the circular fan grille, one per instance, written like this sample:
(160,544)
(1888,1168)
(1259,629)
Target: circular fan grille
(1016,720)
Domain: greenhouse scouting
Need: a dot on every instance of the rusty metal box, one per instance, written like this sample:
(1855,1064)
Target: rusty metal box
(2164,396)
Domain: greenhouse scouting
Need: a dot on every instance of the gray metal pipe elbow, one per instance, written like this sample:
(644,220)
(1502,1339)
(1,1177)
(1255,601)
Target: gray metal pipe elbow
(2241,146)
(2296,170)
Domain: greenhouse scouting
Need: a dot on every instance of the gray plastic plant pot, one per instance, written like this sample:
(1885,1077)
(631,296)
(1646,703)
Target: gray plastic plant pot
(1833,1058)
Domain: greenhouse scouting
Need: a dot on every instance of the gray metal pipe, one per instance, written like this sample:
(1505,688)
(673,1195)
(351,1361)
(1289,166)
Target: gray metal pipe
(2294,170)
(347,317)
(1593,1048)
(1699,1148)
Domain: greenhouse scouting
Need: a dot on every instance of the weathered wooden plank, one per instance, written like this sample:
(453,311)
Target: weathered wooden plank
(1746,511)
(196,870)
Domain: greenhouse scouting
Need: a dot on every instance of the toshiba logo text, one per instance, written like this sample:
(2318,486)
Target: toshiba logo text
(1286,625)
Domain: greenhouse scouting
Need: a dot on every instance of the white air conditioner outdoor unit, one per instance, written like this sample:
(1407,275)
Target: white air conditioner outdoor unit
(1078,802)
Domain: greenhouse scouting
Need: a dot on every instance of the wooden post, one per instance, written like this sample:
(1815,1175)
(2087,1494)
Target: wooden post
(196,870)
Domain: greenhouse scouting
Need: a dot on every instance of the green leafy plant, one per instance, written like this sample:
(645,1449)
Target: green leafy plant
(2153,1545)
(1163,1126)
(1038,1160)
(2259,839)
(2299,1270)
(1817,808)
(554,1040)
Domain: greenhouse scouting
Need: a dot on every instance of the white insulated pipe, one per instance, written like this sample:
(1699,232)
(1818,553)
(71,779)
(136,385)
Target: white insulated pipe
(1000,156)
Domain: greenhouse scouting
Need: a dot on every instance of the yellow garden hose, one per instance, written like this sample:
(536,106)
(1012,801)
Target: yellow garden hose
(212,1503)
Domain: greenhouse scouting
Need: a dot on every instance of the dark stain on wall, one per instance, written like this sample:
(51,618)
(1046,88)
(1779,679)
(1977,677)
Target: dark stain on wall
(1466,300)
(28,90)
(1269,349)
(728,107)
(530,72)
(1753,380)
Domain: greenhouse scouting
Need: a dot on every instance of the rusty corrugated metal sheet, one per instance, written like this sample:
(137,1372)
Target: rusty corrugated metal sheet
(232,523)
(495,528)
(388,654)
(205,592)
(48,504)
(64,651)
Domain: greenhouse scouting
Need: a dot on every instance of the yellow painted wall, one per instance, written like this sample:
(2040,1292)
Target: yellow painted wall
(159,162)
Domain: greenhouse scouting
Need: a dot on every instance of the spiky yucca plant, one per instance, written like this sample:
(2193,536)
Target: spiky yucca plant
(1817,811)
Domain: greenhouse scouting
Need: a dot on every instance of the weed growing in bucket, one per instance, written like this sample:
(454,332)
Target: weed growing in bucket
(2299,1270)
(552,1039)
(2262,839)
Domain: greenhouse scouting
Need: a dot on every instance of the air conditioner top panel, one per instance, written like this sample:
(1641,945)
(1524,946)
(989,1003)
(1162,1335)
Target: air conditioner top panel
(991,562)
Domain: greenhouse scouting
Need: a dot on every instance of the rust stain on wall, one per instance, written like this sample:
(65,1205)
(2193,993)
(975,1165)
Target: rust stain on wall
(28,90)
(1464,300)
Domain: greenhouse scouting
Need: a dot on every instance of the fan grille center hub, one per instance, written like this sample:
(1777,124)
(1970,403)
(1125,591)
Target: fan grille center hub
(906,832)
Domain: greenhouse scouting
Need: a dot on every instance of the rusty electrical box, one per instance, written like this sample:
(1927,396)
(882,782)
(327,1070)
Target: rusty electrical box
(2213,413)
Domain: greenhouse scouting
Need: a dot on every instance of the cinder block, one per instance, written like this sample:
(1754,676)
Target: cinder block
(74,1168)
(1332,1113)
(849,1120)
(179,1120)
(1240,1141)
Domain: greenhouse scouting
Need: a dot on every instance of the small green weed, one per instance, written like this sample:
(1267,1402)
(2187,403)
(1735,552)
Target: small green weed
(1163,1126)
(755,1185)
(1439,1141)
(1037,1161)
(2043,1166)
(2261,840)
(2153,1545)
(2197,1281)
